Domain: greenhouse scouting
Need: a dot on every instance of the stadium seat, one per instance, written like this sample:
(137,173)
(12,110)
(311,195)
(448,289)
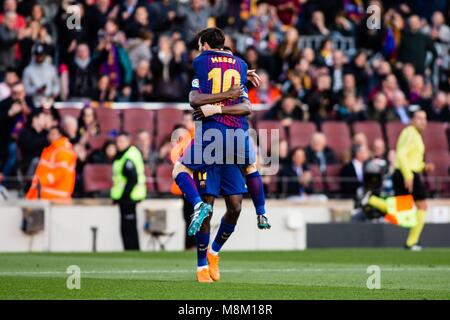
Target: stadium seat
(317,178)
(266,139)
(136,119)
(393,130)
(109,119)
(371,129)
(74,112)
(256,116)
(332,178)
(164,178)
(435,136)
(166,120)
(97,177)
(439,180)
(338,137)
(98,141)
(300,134)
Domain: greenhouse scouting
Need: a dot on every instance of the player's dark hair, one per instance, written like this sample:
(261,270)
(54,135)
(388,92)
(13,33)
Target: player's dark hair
(214,37)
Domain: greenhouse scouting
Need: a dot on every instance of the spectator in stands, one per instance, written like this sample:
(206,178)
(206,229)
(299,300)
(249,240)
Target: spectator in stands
(32,140)
(321,99)
(115,61)
(39,31)
(54,178)
(406,77)
(351,110)
(127,12)
(352,173)
(128,188)
(379,149)
(317,25)
(88,125)
(263,27)
(295,177)
(195,16)
(359,139)
(299,80)
(97,14)
(415,45)
(10,79)
(400,105)
(165,14)
(14,112)
(266,93)
(144,144)
(168,68)
(286,111)
(288,52)
(139,23)
(438,30)
(9,38)
(69,127)
(139,48)
(419,92)
(40,76)
(439,109)
(83,71)
(348,87)
(104,91)
(388,87)
(318,153)
(105,155)
(379,111)
(337,71)
(359,69)
(142,86)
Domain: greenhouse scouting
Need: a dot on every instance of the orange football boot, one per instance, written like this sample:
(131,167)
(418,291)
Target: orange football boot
(213,265)
(203,276)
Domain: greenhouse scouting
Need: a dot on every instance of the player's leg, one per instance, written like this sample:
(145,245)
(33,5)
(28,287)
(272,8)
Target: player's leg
(183,178)
(208,184)
(226,229)
(255,188)
(232,187)
(202,242)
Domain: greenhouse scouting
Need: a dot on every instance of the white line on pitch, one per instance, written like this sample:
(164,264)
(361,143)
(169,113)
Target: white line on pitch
(300,270)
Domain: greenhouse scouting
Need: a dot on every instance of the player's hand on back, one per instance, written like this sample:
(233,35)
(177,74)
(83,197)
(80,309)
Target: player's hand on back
(235,92)
(253,77)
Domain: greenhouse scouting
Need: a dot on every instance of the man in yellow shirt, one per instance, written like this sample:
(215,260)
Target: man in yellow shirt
(409,166)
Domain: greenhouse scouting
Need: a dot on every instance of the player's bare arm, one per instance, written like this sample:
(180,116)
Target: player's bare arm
(240,109)
(197,99)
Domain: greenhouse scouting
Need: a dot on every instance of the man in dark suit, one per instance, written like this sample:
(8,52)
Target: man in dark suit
(352,173)
(295,176)
(319,153)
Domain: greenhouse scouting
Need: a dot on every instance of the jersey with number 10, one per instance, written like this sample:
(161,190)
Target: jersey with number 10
(215,72)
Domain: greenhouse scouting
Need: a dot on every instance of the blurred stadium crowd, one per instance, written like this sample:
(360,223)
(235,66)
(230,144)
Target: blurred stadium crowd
(339,91)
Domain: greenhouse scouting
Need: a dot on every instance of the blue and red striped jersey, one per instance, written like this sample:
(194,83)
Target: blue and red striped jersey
(215,72)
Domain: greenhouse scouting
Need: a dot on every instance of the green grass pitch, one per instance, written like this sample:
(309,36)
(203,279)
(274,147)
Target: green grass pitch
(310,274)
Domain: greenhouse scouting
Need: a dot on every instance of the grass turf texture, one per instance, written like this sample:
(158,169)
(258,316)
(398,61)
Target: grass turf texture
(310,274)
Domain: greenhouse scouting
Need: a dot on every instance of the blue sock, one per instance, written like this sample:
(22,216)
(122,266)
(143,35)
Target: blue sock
(256,189)
(188,187)
(224,232)
(202,240)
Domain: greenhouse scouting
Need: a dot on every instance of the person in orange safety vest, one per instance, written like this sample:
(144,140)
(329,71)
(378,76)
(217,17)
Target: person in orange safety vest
(54,178)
